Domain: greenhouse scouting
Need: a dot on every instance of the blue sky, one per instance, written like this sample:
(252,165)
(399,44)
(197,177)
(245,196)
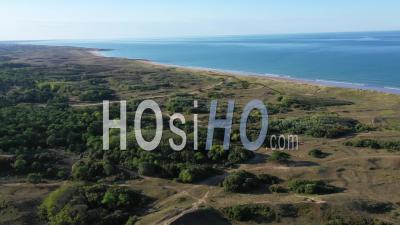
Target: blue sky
(100,19)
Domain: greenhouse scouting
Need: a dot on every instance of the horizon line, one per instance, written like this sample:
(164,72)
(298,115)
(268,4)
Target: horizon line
(197,36)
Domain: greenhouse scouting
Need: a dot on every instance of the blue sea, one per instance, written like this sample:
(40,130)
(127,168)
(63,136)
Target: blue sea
(368,60)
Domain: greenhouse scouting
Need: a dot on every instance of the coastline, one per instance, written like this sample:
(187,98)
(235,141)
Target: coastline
(97,53)
(285,78)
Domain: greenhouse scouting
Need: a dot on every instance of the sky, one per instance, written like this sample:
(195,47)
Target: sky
(101,19)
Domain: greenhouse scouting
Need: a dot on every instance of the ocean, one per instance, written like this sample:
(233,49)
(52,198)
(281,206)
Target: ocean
(367,60)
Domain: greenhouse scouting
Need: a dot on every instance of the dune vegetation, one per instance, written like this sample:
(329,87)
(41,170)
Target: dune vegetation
(54,170)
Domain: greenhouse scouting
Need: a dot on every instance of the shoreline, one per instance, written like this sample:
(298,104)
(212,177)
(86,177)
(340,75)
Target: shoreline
(318,82)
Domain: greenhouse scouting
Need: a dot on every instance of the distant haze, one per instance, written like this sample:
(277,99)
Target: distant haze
(100,19)
(366,60)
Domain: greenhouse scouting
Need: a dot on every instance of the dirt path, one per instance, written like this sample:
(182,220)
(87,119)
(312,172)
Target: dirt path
(195,206)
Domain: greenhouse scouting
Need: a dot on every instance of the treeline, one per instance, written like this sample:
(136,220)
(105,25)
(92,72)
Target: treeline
(270,213)
(24,83)
(245,182)
(33,127)
(327,126)
(375,144)
(92,204)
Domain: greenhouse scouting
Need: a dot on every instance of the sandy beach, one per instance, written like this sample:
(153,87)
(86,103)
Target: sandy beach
(276,77)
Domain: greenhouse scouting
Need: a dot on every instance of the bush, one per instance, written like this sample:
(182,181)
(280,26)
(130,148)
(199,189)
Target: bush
(288,210)
(80,171)
(365,143)
(71,215)
(239,155)
(19,165)
(316,126)
(269,179)
(117,198)
(149,169)
(355,221)
(92,170)
(250,212)
(240,181)
(310,102)
(97,95)
(279,156)
(180,103)
(96,204)
(34,178)
(62,174)
(56,201)
(375,207)
(217,153)
(311,187)
(275,188)
(316,153)
(196,173)
(374,144)
(132,220)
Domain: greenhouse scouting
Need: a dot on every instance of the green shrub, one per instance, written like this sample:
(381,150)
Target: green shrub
(20,165)
(94,194)
(374,144)
(269,179)
(180,103)
(149,169)
(217,153)
(56,201)
(62,174)
(95,204)
(239,155)
(311,187)
(276,188)
(371,206)
(250,212)
(364,143)
(196,173)
(310,102)
(355,221)
(287,210)
(279,156)
(97,95)
(80,171)
(34,178)
(71,215)
(316,153)
(240,181)
(132,220)
(92,170)
(277,108)
(327,126)
(118,197)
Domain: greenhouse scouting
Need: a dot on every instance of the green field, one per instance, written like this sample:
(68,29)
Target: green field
(53,170)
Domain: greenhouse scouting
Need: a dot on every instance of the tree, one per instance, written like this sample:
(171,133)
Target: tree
(121,197)
(19,165)
(80,171)
(195,173)
(34,178)
(240,181)
(217,153)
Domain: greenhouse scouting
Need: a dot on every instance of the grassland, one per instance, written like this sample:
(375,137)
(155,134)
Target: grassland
(70,82)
